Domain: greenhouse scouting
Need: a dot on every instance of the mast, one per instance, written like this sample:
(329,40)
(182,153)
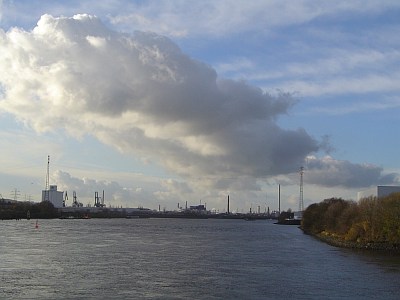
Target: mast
(301,203)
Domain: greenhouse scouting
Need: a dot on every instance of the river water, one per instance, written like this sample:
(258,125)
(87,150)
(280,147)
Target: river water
(183,259)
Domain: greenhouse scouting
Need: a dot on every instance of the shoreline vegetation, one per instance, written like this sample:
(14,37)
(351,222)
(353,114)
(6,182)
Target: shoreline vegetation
(370,224)
(26,210)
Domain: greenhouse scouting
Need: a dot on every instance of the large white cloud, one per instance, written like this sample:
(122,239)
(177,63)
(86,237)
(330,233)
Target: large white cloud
(141,94)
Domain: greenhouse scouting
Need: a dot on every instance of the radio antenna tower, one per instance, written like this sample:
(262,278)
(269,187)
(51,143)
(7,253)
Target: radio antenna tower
(301,203)
(46,197)
(15,194)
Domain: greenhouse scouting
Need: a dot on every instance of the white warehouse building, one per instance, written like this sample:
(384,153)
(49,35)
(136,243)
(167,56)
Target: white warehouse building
(54,196)
(380,191)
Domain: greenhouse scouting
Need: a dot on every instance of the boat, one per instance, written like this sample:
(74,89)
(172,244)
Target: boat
(290,222)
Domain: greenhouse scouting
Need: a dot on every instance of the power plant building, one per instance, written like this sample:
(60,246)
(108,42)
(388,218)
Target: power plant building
(54,196)
(380,191)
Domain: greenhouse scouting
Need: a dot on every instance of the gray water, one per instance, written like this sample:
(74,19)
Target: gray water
(183,259)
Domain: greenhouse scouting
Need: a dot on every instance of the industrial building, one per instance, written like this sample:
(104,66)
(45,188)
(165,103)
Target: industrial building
(379,191)
(54,196)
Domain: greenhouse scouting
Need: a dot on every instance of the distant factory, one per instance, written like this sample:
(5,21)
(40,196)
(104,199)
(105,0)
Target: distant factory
(53,196)
(59,199)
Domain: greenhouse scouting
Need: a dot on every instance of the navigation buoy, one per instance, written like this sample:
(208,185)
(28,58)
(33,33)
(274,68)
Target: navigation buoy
(37,225)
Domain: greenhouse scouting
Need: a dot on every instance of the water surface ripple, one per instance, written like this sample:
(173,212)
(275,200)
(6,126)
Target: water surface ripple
(183,259)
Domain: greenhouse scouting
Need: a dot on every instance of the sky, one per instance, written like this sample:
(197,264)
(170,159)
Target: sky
(159,103)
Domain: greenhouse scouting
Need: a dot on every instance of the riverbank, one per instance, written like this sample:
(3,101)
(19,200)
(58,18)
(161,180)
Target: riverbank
(338,241)
(370,224)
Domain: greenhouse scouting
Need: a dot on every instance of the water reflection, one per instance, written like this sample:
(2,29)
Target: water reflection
(387,261)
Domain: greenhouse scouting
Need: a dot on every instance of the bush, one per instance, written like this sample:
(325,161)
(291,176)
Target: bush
(370,220)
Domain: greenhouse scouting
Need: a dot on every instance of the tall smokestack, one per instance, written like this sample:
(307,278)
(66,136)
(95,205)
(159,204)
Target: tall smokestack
(228,204)
(279,199)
